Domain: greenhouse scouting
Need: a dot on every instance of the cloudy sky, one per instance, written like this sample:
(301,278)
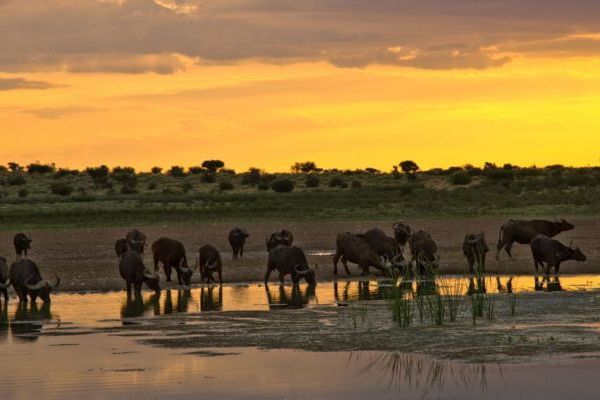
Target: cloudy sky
(346,83)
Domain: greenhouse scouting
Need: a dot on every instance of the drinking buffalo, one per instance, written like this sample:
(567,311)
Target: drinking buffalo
(4,280)
(120,247)
(382,244)
(354,249)
(171,254)
(283,237)
(552,253)
(523,232)
(475,248)
(402,233)
(209,260)
(136,240)
(25,277)
(237,239)
(133,271)
(22,243)
(289,260)
(423,250)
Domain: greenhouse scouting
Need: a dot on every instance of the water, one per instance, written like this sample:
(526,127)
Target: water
(78,347)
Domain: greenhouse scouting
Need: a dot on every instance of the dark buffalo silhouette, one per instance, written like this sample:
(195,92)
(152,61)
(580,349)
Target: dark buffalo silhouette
(475,248)
(402,233)
(120,247)
(136,240)
(25,277)
(382,244)
(283,237)
(209,260)
(4,280)
(297,297)
(237,239)
(22,243)
(523,232)
(552,253)
(423,249)
(133,271)
(289,260)
(350,247)
(171,254)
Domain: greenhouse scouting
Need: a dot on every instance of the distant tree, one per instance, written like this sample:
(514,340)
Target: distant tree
(410,169)
(123,170)
(39,168)
(305,167)
(61,172)
(312,181)
(176,171)
(156,170)
(338,182)
(251,177)
(213,165)
(283,185)
(3,168)
(460,178)
(196,170)
(13,166)
(370,170)
(395,172)
(489,165)
(98,174)
(61,189)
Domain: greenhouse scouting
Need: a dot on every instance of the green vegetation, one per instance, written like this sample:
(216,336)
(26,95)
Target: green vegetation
(99,196)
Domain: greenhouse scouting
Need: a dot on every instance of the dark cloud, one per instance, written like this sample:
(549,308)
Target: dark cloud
(21,83)
(59,112)
(137,36)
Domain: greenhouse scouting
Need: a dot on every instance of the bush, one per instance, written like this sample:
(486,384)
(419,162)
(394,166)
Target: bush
(283,185)
(61,189)
(252,177)
(225,185)
(213,165)
(186,187)
(123,170)
(176,171)
(156,170)
(37,168)
(209,177)
(312,181)
(128,189)
(461,178)
(62,172)
(263,186)
(98,174)
(23,192)
(338,182)
(196,170)
(356,184)
(14,180)
(152,186)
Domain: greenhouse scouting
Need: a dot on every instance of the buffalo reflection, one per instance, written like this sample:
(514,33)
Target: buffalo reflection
(294,297)
(211,299)
(355,290)
(547,284)
(182,305)
(28,321)
(135,306)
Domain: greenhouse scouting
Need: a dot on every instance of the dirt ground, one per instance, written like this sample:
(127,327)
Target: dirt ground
(85,258)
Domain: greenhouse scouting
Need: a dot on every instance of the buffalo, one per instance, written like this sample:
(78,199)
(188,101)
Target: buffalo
(523,232)
(350,247)
(423,249)
(209,260)
(26,279)
(120,247)
(402,233)
(4,280)
(133,271)
(283,237)
(475,248)
(552,253)
(136,241)
(171,254)
(237,240)
(382,244)
(289,260)
(22,243)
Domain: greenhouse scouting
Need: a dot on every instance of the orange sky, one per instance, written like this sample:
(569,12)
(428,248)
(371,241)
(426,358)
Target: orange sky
(345,104)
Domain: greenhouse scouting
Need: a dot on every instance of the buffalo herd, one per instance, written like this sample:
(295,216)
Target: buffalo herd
(370,249)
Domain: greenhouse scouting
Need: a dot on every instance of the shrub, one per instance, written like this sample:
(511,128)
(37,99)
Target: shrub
(338,182)
(312,181)
(499,174)
(356,184)
(227,171)
(156,170)
(62,172)
(263,186)
(176,171)
(186,187)
(252,177)
(282,185)
(38,168)
(460,178)
(305,167)
(13,166)
(123,170)
(225,185)
(152,186)
(14,180)
(209,177)
(128,189)
(3,168)
(61,189)
(23,192)
(98,174)
(196,170)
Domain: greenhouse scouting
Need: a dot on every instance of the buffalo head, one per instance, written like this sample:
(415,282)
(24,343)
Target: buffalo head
(43,288)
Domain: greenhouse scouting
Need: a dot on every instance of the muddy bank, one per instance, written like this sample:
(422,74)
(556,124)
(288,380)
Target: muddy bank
(85,257)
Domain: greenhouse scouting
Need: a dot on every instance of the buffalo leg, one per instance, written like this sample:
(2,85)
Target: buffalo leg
(345,264)
(5,292)
(128,290)
(267,275)
(336,258)
(281,278)
(168,271)
(179,277)
(220,276)
(556,268)
(138,288)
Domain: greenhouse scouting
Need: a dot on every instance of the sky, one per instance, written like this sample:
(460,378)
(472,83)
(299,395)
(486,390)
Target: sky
(265,83)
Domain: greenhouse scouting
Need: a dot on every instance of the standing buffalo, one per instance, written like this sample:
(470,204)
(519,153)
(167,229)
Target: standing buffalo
(402,233)
(171,254)
(552,252)
(120,247)
(209,260)
(26,279)
(352,248)
(133,271)
(474,248)
(283,237)
(423,250)
(382,244)
(22,243)
(523,232)
(237,239)
(289,260)
(4,280)
(136,240)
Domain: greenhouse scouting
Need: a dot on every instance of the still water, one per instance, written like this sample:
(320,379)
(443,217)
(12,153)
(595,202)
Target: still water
(74,349)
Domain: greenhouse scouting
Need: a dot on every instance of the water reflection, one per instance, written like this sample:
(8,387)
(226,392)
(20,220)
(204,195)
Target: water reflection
(135,306)
(290,297)
(547,284)
(28,321)
(211,298)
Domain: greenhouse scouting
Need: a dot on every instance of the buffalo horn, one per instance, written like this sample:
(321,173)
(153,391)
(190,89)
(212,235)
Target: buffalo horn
(212,266)
(303,271)
(40,285)
(187,270)
(5,285)
(149,275)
